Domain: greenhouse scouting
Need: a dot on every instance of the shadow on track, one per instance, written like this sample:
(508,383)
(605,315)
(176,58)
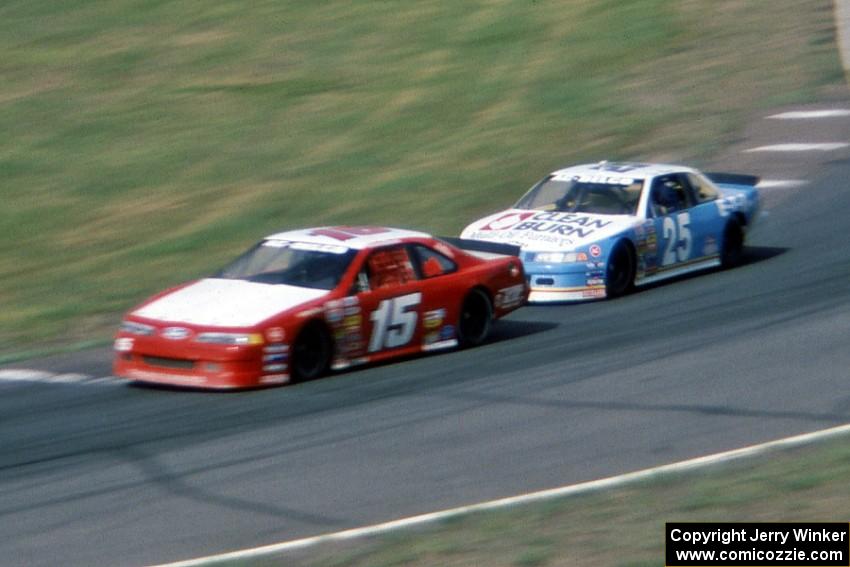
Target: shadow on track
(752,255)
(756,254)
(503,330)
(507,330)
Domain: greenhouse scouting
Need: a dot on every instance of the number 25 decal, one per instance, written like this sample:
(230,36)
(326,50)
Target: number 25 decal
(394,322)
(678,237)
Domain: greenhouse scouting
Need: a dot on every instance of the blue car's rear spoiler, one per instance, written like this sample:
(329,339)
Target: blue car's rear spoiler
(482,246)
(734,178)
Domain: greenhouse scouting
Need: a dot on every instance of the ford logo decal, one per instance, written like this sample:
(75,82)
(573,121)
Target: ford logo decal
(175,333)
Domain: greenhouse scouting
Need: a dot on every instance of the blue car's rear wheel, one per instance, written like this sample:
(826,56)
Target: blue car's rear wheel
(732,251)
(620,271)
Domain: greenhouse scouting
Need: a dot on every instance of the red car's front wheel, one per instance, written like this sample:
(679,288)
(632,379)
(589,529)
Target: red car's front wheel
(311,353)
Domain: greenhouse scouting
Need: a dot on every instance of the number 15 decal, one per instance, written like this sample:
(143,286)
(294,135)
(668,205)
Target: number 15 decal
(394,322)
(678,237)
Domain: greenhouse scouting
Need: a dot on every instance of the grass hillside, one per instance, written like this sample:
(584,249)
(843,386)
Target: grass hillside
(148,141)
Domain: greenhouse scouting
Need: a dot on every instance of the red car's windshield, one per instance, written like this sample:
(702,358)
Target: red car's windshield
(301,264)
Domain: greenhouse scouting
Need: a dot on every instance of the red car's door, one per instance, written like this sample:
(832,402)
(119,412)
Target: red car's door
(390,296)
(442,292)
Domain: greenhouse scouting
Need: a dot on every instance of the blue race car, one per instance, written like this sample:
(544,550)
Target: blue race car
(596,230)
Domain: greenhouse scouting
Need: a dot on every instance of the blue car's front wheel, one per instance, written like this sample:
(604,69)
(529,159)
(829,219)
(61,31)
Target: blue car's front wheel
(620,271)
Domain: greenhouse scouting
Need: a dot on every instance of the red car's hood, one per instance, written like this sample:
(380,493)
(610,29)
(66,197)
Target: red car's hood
(226,303)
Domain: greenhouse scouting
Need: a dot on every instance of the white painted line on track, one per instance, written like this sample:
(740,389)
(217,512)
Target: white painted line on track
(570,490)
(808,114)
(24,375)
(824,147)
(781,183)
(43,377)
(67,378)
(112,380)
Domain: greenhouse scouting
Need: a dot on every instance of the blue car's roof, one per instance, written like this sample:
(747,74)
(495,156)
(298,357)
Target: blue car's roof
(630,169)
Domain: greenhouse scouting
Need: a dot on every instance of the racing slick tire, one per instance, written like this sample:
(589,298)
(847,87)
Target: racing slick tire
(620,270)
(732,250)
(311,353)
(475,319)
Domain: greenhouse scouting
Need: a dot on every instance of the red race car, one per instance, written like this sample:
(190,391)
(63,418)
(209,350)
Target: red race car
(301,302)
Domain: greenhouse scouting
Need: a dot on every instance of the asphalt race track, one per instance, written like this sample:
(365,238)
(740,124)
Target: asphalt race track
(113,474)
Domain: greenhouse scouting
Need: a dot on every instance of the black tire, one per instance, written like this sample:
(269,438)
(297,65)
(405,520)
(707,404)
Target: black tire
(732,249)
(620,271)
(475,319)
(311,353)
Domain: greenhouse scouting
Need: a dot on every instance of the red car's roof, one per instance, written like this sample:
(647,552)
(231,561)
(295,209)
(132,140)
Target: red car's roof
(356,237)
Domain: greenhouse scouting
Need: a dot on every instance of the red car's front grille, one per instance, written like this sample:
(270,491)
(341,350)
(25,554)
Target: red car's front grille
(168,362)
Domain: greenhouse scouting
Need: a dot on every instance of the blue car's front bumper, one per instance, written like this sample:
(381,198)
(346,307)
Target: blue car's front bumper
(574,281)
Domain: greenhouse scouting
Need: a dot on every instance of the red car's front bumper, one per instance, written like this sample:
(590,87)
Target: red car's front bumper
(154,360)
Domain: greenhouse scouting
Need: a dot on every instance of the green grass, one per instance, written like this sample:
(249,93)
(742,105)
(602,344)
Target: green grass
(148,141)
(621,527)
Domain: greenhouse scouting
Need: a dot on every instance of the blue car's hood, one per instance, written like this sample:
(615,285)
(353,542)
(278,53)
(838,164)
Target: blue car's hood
(543,230)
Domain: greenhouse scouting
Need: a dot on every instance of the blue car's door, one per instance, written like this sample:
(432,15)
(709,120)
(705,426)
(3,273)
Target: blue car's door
(706,217)
(685,222)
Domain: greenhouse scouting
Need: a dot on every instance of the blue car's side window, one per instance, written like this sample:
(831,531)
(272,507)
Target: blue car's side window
(704,191)
(669,194)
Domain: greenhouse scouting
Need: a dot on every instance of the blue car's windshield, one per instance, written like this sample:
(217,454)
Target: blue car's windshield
(584,194)
(301,264)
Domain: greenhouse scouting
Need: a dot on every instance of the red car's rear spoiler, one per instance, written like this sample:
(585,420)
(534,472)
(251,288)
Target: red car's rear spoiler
(733,178)
(482,246)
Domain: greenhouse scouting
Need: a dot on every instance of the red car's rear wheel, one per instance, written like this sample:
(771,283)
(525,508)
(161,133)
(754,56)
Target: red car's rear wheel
(476,318)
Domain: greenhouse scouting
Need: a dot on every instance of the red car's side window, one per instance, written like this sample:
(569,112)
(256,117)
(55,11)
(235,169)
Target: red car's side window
(432,263)
(389,267)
